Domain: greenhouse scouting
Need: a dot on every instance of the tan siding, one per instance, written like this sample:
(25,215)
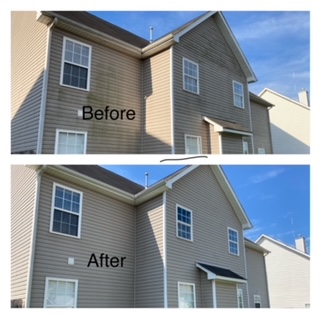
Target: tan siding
(108,226)
(257,279)
(149,254)
(218,67)
(157,103)
(115,81)
(214,141)
(28,50)
(226,295)
(261,128)
(288,276)
(200,192)
(23,195)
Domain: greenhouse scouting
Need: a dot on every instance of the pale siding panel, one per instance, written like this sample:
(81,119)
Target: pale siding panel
(115,82)
(226,295)
(23,197)
(157,101)
(28,51)
(218,67)
(200,192)
(107,227)
(149,291)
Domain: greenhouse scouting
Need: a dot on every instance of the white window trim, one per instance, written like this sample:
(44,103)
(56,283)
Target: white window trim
(245,146)
(234,94)
(238,245)
(199,140)
(191,225)
(194,293)
(64,280)
(240,291)
(52,210)
(62,64)
(70,132)
(197,78)
(255,298)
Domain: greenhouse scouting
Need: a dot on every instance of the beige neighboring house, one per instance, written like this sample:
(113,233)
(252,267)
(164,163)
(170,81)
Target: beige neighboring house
(288,272)
(290,122)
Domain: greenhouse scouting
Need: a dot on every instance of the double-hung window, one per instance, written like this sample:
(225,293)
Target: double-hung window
(240,297)
(60,293)
(184,223)
(238,95)
(192,144)
(66,211)
(233,241)
(257,301)
(76,62)
(186,295)
(70,142)
(190,76)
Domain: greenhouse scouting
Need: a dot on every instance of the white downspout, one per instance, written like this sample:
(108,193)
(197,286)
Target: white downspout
(165,287)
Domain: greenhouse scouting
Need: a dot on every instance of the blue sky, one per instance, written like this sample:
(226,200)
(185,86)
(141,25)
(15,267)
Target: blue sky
(276,43)
(276,198)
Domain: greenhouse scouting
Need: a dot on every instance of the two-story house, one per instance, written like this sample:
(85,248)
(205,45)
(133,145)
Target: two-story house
(82,85)
(83,236)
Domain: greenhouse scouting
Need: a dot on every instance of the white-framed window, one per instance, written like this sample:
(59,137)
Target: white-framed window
(186,295)
(66,211)
(70,142)
(245,147)
(76,61)
(233,241)
(192,144)
(261,151)
(257,301)
(190,76)
(184,223)
(60,293)
(240,298)
(238,95)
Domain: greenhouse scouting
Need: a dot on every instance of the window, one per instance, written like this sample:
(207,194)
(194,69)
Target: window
(75,64)
(233,241)
(257,301)
(66,211)
(60,293)
(261,151)
(190,76)
(238,99)
(193,144)
(245,147)
(186,295)
(240,297)
(184,223)
(70,142)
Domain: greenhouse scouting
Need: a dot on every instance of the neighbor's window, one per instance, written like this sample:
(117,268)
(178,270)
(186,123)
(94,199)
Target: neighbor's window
(70,142)
(184,223)
(66,211)
(75,64)
(257,301)
(60,293)
(190,76)
(238,96)
(192,144)
(186,294)
(233,240)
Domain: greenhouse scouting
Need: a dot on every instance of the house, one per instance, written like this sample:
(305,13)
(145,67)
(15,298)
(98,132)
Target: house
(83,236)
(82,85)
(290,122)
(288,273)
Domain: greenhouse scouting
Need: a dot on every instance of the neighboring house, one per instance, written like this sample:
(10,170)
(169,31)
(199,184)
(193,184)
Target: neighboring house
(288,273)
(290,122)
(82,85)
(83,236)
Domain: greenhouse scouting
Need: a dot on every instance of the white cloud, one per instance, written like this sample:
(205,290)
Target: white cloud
(266,176)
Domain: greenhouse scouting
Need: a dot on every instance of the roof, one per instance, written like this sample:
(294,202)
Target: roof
(254,246)
(220,273)
(257,99)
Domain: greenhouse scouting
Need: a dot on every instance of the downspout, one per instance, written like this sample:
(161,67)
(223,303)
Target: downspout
(44,87)
(165,279)
(33,235)
(245,269)
(251,129)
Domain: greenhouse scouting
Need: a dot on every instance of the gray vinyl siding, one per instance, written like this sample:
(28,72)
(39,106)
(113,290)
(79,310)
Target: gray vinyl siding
(157,132)
(226,295)
(206,292)
(261,128)
(257,277)
(149,290)
(28,52)
(115,81)
(23,197)
(212,214)
(231,144)
(218,68)
(108,226)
